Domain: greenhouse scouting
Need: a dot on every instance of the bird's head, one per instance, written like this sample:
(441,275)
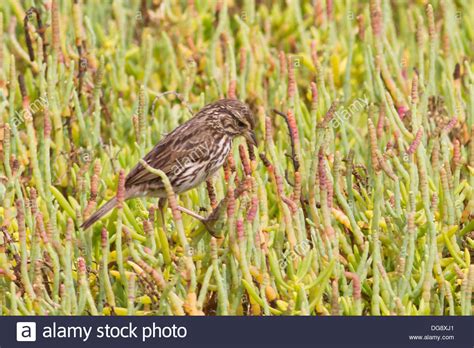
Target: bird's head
(237,119)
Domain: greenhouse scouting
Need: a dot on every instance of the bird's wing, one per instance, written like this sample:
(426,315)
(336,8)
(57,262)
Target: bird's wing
(167,156)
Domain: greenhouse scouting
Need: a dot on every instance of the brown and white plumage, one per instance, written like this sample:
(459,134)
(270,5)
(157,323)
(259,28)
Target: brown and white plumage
(190,154)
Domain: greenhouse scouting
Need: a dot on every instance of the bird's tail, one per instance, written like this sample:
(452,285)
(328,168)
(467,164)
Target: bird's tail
(99,213)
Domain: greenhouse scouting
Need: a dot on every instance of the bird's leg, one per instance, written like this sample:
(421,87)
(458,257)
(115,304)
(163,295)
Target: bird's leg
(191,213)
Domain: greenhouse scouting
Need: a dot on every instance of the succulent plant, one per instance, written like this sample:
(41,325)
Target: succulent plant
(359,200)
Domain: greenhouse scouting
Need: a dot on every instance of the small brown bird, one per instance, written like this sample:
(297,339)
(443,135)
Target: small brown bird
(189,154)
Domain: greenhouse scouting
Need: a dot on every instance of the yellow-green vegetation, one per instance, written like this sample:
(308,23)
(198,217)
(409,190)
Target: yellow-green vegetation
(358,201)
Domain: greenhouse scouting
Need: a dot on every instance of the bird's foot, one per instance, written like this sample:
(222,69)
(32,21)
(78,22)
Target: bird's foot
(191,213)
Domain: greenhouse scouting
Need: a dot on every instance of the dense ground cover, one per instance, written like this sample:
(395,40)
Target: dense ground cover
(359,200)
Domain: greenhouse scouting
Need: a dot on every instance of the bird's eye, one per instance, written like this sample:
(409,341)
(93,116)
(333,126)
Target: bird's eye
(241,124)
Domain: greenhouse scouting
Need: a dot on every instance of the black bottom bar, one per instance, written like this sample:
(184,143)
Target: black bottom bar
(334,332)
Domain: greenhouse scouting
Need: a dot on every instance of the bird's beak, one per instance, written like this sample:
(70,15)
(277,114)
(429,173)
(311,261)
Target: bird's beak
(251,138)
